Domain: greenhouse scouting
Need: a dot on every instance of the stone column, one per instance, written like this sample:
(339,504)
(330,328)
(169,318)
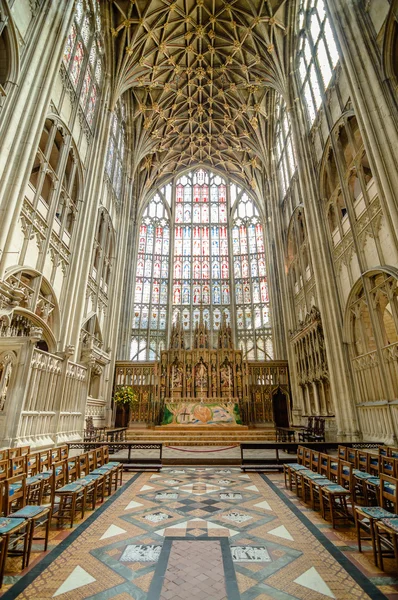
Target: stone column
(341,385)
(371,98)
(23,117)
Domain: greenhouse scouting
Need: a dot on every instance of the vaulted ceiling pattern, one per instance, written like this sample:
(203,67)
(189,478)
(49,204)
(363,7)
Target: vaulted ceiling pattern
(200,73)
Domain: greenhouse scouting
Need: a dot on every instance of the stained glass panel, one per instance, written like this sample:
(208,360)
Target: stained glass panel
(201,273)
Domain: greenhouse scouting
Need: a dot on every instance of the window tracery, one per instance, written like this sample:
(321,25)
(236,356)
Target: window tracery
(286,162)
(56,161)
(217,263)
(318,54)
(152,280)
(82,56)
(116,148)
(251,282)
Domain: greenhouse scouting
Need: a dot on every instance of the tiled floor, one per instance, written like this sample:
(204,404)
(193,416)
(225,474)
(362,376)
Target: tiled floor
(208,533)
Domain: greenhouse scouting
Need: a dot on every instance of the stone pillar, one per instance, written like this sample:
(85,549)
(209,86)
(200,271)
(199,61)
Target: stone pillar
(342,390)
(23,117)
(371,98)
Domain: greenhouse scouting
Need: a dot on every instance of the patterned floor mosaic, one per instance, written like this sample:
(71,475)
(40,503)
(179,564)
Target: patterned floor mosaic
(204,534)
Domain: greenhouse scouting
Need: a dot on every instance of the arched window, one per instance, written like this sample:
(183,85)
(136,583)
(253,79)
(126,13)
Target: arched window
(82,56)
(318,54)
(210,272)
(250,279)
(152,280)
(286,163)
(116,148)
(201,258)
(103,254)
(56,161)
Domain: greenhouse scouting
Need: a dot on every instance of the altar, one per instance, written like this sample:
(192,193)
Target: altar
(217,412)
(201,386)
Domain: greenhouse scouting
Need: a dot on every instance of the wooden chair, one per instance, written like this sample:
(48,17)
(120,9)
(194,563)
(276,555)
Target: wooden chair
(55,455)
(95,482)
(4,468)
(324,464)
(64,452)
(91,460)
(386,533)
(38,516)
(72,468)
(24,450)
(4,453)
(388,466)
(342,453)
(363,461)
(374,465)
(307,458)
(67,501)
(333,500)
(14,493)
(345,475)
(117,466)
(17,466)
(392,451)
(334,469)
(352,457)
(14,541)
(13,453)
(366,516)
(314,461)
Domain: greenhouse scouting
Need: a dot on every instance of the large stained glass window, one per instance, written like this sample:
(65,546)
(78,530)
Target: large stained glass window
(217,267)
(318,54)
(201,270)
(152,280)
(82,56)
(254,334)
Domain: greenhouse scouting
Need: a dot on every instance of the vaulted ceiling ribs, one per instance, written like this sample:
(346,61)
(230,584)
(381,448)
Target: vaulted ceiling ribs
(200,74)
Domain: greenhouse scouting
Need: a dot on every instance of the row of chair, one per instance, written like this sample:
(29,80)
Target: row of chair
(341,487)
(314,431)
(71,485)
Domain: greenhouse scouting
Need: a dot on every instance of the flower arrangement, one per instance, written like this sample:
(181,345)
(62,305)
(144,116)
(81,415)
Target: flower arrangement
(125,396)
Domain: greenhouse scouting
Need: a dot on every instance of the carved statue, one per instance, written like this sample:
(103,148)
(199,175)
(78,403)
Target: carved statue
(201,376)
(176,375)
(226,376)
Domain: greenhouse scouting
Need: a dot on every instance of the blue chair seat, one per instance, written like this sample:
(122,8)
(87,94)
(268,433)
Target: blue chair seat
(33,479)
(336,489)
(28,512)
(14,487)
(7,524)
(374,480)
(70,488)
(376,512)
(392,523)
(296,467)
(314,476)
(361,474)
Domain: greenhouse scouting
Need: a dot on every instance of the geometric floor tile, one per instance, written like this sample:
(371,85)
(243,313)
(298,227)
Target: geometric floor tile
(281,532)
(112,531)
(209,531)
(252,488)
(313,581)
(133,504)
(264,504)
(141,553)
(78,578)
(250,554)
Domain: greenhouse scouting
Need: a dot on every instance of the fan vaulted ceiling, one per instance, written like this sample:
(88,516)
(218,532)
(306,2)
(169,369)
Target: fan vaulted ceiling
(200,74)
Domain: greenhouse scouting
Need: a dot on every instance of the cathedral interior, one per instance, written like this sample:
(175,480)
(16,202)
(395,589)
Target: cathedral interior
(199,247)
